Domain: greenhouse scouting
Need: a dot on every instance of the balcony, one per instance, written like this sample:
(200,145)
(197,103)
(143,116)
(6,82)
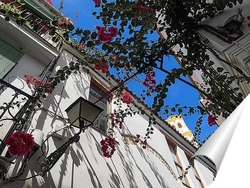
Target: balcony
(13,104)
(239,54)
(31,30)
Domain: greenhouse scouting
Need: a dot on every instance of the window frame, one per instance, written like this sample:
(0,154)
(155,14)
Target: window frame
(197,177)
(177,162)
(94,93)
(12,62)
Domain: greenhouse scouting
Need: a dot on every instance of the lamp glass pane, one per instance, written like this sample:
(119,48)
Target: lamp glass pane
(89,111)
(82,109)
(73,112)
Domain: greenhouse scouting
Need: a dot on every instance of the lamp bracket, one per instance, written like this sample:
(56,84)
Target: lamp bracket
(51,160)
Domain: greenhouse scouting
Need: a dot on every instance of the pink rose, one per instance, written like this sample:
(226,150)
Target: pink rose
(50,2)
(97,2)
(113,31)
(102,65)
(108,147)
(105,35)
(211,120)
(126,98)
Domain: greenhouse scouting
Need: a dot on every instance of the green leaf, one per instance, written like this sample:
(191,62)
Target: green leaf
(3,11)
(93,35)
(90,44)
(220,69)
(86,32)
(70,27)
(55,22)
(7,18)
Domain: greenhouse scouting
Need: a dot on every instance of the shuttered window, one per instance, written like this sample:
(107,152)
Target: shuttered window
(9,56)
(101,123)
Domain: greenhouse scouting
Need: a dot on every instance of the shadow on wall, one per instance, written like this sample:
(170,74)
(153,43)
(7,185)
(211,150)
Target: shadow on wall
(131,162)
(91,171)
(31,171)
(127,165)
(115,177)
(151,163)
(51,108)
(81,84)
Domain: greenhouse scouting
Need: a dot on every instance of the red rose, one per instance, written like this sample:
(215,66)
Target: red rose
(102,65)
(113,31)
(211,120)
(97,2)
(108,147)
(126,98)
(20,143)
(105,35)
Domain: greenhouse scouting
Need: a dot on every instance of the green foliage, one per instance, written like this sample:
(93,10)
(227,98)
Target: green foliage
(140,48)
(197,131)
(181,21)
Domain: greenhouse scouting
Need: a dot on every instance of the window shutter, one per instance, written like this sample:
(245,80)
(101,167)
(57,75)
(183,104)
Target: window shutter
(9,56)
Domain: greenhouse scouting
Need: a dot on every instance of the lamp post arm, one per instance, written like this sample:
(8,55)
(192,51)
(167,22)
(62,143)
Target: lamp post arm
(52,159)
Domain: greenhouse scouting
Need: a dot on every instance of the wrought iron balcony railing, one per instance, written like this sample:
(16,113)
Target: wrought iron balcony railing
(31,20)
(13,104)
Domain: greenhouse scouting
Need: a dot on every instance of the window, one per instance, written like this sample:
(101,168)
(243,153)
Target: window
(9,56)
(197,176)
(180,169)
(179,125)
(101,123)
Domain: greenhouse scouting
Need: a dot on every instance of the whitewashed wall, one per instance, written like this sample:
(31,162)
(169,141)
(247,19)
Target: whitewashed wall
(206,177)
(83,164)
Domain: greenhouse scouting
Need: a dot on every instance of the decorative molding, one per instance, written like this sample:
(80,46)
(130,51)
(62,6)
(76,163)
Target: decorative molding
(129,139)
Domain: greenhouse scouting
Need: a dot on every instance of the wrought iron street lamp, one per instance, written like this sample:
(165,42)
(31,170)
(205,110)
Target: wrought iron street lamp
(82,115)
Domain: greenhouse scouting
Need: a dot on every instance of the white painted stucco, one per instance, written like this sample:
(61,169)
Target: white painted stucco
(83,164)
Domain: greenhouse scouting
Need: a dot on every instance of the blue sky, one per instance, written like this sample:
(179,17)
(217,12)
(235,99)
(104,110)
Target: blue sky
(80,11)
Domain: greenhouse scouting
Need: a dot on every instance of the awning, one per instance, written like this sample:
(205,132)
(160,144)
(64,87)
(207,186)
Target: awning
(38,10)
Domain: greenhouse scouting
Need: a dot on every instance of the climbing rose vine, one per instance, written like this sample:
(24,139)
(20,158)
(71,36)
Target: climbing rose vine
(126,98)
(108,146)
(211,120)
(144,8)
(97,2)
(102,65)
(132,51)
(150,82)
(106,34)
(138,140)
(36,83)
(116,119)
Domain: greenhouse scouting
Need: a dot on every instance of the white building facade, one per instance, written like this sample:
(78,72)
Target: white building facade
(165,162)
(228,34)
